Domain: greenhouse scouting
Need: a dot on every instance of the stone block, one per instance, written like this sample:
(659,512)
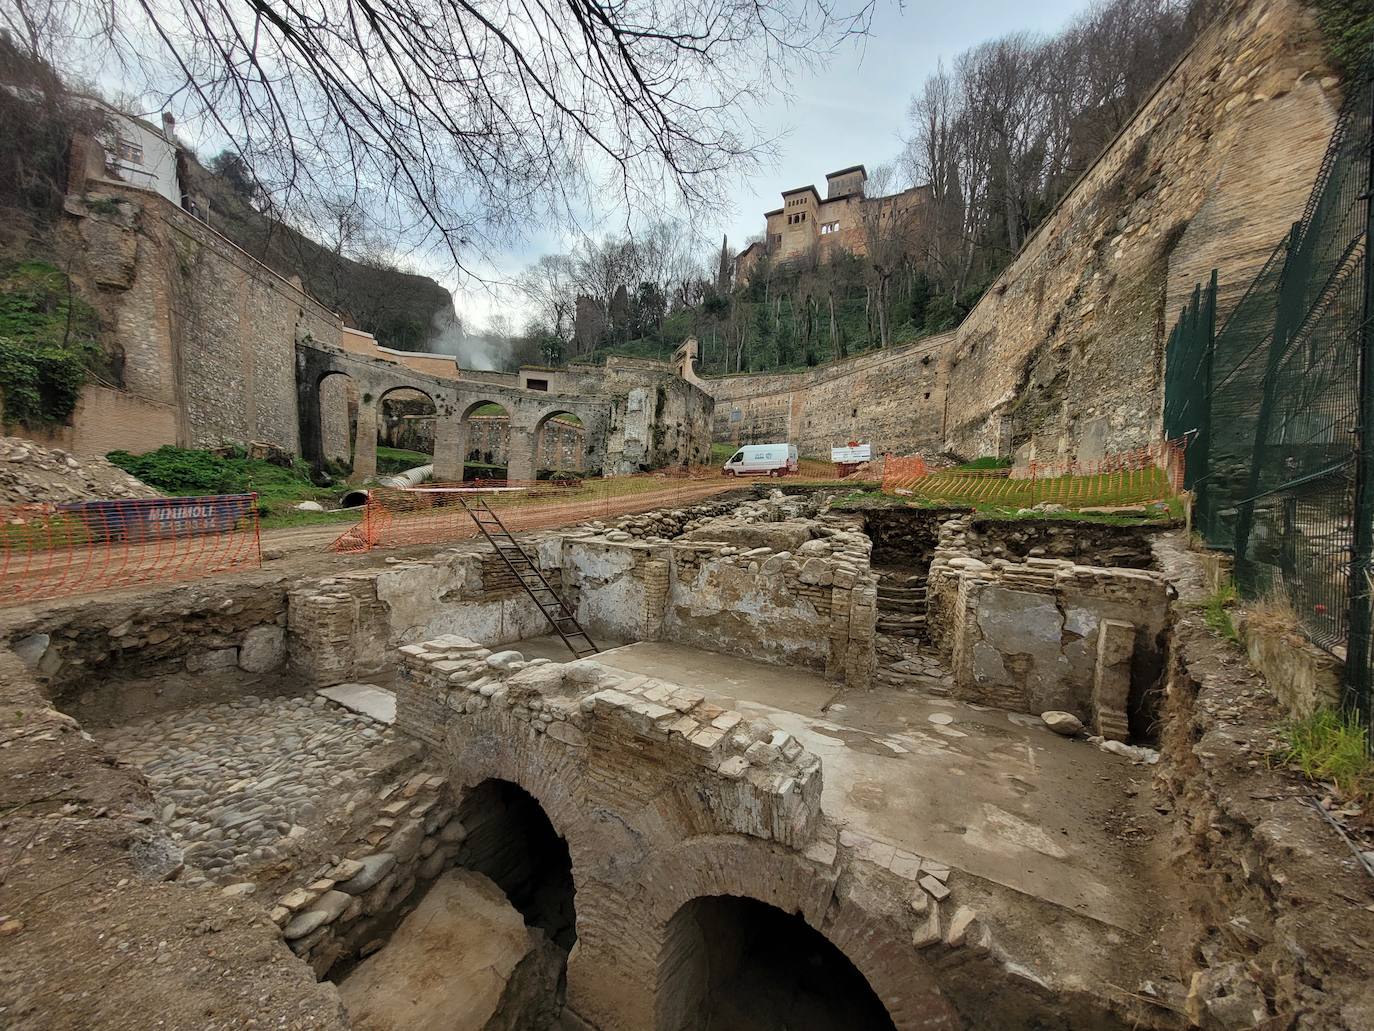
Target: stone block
(1112,679)
(263,649)
(213,661)
(374,869)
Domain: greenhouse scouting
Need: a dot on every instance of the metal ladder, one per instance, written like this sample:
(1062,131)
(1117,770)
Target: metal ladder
(526,570)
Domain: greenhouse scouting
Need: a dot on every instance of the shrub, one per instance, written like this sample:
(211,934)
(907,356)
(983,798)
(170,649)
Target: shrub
(48,344)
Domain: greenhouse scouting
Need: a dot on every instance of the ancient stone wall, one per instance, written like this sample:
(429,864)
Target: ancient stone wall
(199,330)
(893,400)
(108,661)
(1046,634)
(1063,356)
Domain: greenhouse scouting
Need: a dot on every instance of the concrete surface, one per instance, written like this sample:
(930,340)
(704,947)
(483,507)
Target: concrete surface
(367,699)
(993,793)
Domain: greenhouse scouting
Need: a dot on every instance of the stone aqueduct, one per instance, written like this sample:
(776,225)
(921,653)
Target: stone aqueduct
(454,401)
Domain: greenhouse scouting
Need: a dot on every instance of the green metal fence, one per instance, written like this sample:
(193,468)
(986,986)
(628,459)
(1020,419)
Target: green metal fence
(1277,405)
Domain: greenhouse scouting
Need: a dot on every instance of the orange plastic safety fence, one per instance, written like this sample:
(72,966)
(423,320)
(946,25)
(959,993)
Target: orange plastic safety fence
(55,550)
(1143,474)
(434,514)
(903,472)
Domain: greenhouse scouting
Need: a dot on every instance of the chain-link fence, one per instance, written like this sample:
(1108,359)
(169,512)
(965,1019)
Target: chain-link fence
(1277,405)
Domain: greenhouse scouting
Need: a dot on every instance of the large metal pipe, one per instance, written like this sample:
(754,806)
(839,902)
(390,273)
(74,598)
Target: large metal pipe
(408,478)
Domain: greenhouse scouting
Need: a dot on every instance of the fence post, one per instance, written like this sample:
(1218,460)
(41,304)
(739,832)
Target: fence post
(1195,469)
(1355,684)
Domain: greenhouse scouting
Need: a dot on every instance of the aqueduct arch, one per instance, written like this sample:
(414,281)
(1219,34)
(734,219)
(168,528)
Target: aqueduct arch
(454,401)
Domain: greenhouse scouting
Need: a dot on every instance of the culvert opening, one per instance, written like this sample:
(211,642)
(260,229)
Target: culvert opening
(737,964)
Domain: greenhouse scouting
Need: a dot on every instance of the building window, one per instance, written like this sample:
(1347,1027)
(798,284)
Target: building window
(829,227)
(129,151)
(536,384)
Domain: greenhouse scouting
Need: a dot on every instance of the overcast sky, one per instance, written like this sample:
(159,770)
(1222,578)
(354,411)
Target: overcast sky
(849,110)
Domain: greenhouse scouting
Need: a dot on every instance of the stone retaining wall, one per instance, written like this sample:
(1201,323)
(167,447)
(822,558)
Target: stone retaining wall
(347,912)
(1063,355)
(1046,634)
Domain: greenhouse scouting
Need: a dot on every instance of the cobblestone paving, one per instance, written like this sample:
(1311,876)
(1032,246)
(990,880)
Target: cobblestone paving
(237,782)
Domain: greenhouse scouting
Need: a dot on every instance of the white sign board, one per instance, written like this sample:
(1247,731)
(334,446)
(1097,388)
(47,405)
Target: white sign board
(852,455)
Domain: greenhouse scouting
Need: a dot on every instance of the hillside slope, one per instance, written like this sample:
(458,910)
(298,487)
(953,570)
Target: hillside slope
(397,307)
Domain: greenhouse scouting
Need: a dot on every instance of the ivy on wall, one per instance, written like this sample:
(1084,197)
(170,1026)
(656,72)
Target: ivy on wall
(1348,26)
(49,344)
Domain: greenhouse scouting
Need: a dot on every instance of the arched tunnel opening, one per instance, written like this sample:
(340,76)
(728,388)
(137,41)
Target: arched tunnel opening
(502,919)
(511,840)
(738,964)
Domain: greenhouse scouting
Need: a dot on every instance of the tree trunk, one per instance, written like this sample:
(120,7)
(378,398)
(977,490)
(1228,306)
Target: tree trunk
(882,312)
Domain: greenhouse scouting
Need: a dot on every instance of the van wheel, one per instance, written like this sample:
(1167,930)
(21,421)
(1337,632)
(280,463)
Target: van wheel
(773,473)
(730,473)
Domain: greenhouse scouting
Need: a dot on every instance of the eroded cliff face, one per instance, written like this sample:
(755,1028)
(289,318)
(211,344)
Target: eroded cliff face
(1064,354)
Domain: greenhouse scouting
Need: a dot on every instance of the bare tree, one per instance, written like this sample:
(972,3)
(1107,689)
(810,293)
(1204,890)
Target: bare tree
(889,221)
(549,284)
(461,118)
(1001,135)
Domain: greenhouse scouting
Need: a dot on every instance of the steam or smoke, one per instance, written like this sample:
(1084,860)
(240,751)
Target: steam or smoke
(481,351)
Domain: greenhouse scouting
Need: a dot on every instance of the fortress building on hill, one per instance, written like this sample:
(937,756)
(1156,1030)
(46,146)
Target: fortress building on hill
(808,223)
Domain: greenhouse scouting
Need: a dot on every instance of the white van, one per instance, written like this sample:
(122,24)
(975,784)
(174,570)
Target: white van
(762,459)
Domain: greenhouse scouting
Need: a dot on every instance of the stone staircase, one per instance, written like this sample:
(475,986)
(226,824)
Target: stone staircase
(902,607)
(902,661)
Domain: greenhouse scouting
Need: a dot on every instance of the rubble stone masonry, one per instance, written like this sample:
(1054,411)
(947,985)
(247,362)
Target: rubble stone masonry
(1063,356)
(203,335)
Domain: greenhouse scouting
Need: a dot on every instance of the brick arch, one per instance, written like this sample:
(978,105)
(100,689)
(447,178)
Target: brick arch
(877,944)
(502,748)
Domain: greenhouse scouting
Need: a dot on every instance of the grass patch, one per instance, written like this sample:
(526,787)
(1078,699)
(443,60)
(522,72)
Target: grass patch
(188,471)
(986,462)
(982,487)
(1216,612)
(392,460)
(286,516)
(1331,745)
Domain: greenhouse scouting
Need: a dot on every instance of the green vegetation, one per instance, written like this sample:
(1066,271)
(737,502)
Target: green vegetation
(1216,611)
(280,488)
(1118,489)
(1330,745)
(1349,31)
(986,462)
(781,320)
(48,344)
(392,460)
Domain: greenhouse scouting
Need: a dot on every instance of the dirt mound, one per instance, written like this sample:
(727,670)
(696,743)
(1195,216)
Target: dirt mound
(30,472)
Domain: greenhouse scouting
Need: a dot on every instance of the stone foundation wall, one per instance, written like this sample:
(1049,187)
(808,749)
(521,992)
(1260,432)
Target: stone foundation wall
(1046,634)
(348,910)
(805,598)
(108,661)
